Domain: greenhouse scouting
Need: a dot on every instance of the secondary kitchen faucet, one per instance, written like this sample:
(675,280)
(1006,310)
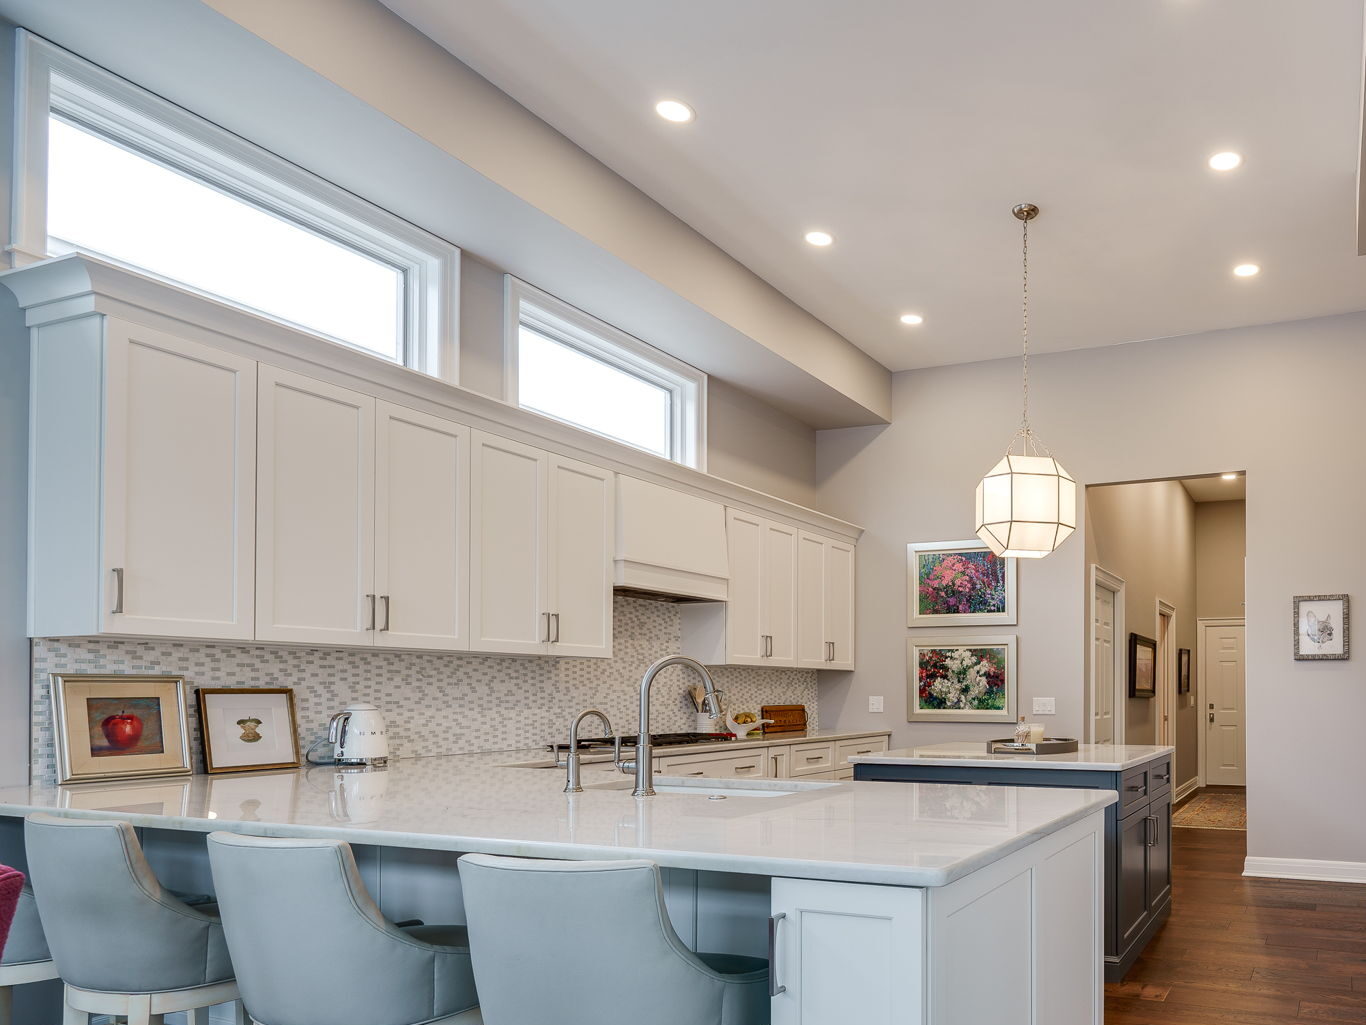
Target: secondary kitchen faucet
(571,758)
(644,752)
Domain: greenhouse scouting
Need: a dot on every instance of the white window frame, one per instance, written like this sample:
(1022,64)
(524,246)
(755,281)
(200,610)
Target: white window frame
(528,306)
(50,80)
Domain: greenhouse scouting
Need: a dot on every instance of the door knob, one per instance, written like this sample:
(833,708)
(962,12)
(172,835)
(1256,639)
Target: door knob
(1211,717)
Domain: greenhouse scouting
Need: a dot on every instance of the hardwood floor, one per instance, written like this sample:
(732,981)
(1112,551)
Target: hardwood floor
(1246,951)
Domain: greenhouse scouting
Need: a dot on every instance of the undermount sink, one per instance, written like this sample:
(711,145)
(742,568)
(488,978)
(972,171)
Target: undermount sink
(719,788)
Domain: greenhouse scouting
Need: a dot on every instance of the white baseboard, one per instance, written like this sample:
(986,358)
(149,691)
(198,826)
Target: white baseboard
(1186,789)
(1304,868)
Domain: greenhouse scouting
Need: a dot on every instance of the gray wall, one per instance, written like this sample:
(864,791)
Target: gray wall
(1145,534)
(1220,563)
(1292,418)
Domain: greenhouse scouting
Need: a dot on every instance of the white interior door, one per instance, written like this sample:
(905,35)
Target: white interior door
(1224,684)
(315,550)
(422,480)
(1104,606)
(508,602)
(779,613)
(812,649)
(1165,671)
(179,487)
(745,644)
(582,532)
(839,604)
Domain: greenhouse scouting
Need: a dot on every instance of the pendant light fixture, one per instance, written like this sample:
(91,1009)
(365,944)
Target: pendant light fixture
(1027,503)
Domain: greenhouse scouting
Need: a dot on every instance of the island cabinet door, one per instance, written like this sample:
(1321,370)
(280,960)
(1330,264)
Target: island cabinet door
(1131,869)
(847,952)
(1159,850)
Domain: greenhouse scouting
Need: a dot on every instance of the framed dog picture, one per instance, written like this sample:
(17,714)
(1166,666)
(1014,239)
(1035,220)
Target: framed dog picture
(248,728)
(119,727)
(1322,627)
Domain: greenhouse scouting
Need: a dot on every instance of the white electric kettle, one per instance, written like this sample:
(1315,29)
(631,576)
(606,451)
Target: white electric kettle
(360,736)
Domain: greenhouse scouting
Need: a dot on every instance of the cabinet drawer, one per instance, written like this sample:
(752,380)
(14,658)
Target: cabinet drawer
(1159,776)
(864,746)
(808,758)
(1133,790)
(846,773)
(716,766)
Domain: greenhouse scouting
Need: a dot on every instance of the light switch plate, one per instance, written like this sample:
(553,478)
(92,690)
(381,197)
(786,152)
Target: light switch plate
(1045,706)
(875,703)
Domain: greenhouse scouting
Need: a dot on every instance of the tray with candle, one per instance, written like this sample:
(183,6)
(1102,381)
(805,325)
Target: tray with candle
(1046,746)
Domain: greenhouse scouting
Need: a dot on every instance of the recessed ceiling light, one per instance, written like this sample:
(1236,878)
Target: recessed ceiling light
(1228,476)
(1225,161)
(912,318)
(819,238)
(675,110)
(1246,270)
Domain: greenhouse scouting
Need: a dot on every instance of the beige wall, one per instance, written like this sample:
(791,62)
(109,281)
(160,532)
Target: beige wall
(1145,535)
(1220,547)
(756,445)
(1140,412)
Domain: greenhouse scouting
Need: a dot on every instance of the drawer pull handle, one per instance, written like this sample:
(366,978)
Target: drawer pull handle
(773,988)
(699,772)
(865,751)
(1165,777)
(1135,788)
(814,758)
(742,768)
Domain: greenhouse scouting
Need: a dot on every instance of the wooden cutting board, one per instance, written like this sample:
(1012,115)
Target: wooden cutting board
(786,718)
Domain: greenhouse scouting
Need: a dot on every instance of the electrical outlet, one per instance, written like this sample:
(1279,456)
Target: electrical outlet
(875,703)
(1045,706)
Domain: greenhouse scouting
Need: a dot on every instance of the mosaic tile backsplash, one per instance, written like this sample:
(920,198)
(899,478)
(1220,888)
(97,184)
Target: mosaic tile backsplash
(435,703)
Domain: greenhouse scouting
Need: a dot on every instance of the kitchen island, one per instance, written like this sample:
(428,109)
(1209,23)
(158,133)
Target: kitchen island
(884,903)
(1138,865)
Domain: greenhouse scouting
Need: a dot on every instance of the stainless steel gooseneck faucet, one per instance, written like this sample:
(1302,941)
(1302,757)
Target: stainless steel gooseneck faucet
(644,759)
(571,758)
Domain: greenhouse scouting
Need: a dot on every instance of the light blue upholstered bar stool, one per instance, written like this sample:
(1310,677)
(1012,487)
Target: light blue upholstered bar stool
(26,958)
(312,948)
(532,965)
(123,944)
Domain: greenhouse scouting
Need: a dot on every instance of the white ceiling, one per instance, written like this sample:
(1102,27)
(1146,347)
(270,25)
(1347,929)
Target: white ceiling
(909,128)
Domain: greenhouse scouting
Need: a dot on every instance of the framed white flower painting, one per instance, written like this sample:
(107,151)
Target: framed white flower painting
(961,679)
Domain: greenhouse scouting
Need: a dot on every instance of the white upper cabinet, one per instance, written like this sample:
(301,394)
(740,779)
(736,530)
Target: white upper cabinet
(508,546)
(315,551)
(825,602)
(757,624)
(142,514)
(422,486)
(582,508)
(541,529)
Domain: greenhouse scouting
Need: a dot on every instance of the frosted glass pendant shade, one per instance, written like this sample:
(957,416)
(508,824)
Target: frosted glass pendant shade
(1026,507)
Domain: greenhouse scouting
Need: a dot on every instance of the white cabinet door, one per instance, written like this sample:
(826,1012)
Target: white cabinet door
(508,546)
(813,648)
(839,604)
(779,601)
(179,487)
(744,625)
(422,480)
(581,525)
(315,555)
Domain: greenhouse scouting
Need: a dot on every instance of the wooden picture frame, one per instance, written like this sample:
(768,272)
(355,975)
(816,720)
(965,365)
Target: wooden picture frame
(234,720)
(1323,627)
(1142,666)
(1183,670)
(111,726)
(958,583)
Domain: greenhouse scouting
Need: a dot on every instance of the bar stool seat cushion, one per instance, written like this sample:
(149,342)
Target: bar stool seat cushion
(26,943)
(455,936)
(735,964)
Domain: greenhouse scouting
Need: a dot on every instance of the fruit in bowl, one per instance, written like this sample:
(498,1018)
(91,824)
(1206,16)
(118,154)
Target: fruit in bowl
(742,723)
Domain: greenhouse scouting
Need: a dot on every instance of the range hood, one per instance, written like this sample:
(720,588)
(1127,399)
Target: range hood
(671,546)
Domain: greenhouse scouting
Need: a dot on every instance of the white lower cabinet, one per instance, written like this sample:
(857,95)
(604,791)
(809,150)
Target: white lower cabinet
(717,766)
(808,760)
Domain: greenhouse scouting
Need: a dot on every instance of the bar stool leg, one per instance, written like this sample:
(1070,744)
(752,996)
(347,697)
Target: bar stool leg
(71,1016)
(6,1005)
(239,1014)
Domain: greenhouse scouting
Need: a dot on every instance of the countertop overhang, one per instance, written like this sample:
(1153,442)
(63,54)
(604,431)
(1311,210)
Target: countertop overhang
(917,834)
(1093,757)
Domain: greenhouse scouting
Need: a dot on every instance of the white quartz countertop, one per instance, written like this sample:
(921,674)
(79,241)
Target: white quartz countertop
(1098,757)
(907,834)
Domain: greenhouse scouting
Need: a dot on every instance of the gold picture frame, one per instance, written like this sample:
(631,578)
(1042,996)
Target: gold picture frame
(113,726)
(234,720)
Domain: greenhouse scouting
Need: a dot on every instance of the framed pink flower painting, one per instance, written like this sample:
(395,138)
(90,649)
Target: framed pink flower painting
(959,583)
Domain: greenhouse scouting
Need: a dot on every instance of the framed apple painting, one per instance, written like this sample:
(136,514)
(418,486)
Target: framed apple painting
(119,727)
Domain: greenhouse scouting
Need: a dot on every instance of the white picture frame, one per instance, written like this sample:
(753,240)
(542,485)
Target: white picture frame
(934,659)
(983,578)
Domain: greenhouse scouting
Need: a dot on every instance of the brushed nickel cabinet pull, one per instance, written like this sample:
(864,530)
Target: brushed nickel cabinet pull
(371,599)
(385,628)
(773,988)
(546,616)
(556,617)
(118,591)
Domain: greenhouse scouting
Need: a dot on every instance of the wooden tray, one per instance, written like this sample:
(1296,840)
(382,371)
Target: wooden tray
(786,718)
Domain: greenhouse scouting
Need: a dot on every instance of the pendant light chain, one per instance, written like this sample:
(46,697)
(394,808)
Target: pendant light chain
(1024,330)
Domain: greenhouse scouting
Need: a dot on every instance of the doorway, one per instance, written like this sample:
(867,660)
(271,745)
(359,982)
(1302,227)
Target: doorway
(1166,674)
(1107,658)
(1223,687)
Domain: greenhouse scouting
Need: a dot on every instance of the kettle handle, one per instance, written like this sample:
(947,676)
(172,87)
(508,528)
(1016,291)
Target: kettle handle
(336,729)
